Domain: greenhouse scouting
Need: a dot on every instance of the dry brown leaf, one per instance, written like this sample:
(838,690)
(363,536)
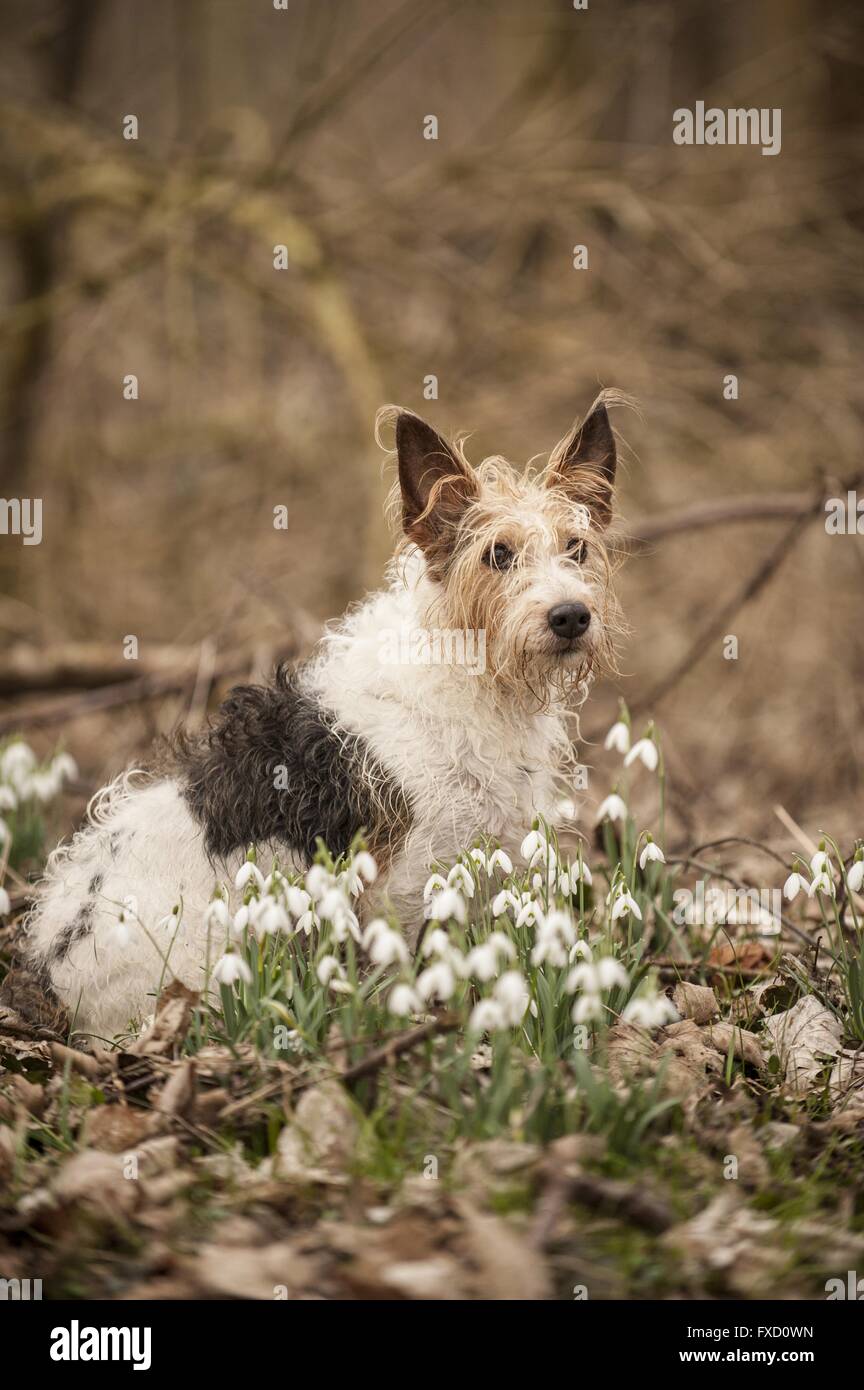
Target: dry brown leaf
(170,1024)
(805,1038)
(726,1241)
(743,1045)
(695,1001)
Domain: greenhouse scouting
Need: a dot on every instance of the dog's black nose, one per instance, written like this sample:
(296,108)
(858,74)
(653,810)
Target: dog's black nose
(569,619)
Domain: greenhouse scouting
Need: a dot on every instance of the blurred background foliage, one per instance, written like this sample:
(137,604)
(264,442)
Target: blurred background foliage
(410,257)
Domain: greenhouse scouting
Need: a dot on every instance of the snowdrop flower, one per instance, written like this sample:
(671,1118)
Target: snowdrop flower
(530,912)
(434,884)
(446,904)
(297,900)
(365,866)
(387,947)
(170,924)
(819,862)
(403,1000)
(823,883)
(216,915)
(230,968)
(459,875)
(533,844)
(588,1009)
(437,981)
(651,1011)
(64,767)
(651,854)
(482,962)
(487,1017)
(8,799)
(511,992)
(646,752)
(506,898)
(613,808)
(625,903)
(580,950)
(271,919)
(610,972)
(249,873)
(120,933)
(5,904)
(795,883)
(618,737)
(42,786)
(16,763)
(583,977)
(855,875)
(327,967)
(318,882)
(499,860)
(242,919)
(306,922)
(436,942)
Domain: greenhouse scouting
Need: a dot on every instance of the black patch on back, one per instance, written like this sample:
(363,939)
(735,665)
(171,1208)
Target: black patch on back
(74,931)
(229,776)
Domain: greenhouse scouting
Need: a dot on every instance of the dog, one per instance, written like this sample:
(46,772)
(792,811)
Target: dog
(377,733)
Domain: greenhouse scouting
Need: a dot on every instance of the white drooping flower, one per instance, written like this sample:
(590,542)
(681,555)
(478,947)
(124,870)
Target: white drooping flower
(460,878)
(652,853)
(445,905)
(487,1017)
(533,844)
(511,992)
(819,862)
(5,904)
(17,762)
(170,924)
(823,883)
(230,968)
(610,972)
(795,883)
(530,913)
(272,918)
(625,903)
(855,875)
(64,767)
(365,866)
(618,737)
(249,873)
(506,898)
(8,799)
(318,882)
(645,751)
(482,962)
(403,1000)
(327,968)
(436,942)
(216,915)
(588,1008)
(385,946)
(121,933)
(297,900)
(437,981)
(613,808)
(435,883)
(499,860)
(651,1011)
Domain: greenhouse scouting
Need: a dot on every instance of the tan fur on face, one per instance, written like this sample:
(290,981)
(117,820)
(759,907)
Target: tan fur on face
(535,514)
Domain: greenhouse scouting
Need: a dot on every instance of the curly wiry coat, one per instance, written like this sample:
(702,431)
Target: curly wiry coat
(420,756)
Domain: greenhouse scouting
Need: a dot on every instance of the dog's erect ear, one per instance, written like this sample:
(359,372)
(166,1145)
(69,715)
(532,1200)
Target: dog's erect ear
(584,464)
(436,485)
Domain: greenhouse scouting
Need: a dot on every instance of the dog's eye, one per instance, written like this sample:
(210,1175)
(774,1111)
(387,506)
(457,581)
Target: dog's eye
(577,550)
(498,556)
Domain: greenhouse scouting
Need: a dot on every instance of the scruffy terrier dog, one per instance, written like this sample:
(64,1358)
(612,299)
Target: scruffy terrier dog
(421,755)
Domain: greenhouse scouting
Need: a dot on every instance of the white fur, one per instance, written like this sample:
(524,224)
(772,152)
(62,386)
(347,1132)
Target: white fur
(471,758)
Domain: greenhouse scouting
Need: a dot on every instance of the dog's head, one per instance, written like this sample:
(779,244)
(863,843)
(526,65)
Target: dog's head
(520,557)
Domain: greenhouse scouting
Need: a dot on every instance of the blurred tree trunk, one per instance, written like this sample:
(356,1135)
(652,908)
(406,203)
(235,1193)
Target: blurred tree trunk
(35,240)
